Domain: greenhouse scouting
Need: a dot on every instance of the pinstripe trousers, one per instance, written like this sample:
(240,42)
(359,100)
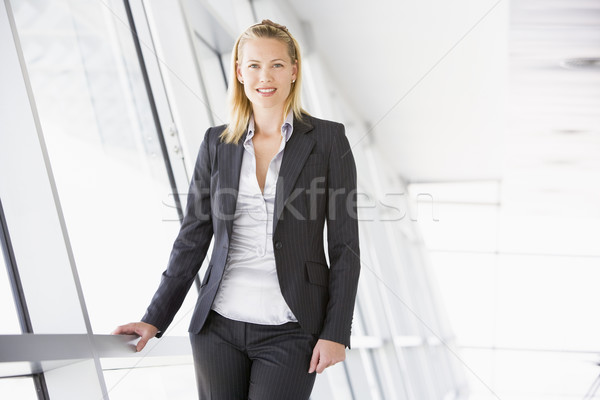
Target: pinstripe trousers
(236,360)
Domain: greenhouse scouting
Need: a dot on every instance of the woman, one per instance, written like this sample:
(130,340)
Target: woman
(270,312)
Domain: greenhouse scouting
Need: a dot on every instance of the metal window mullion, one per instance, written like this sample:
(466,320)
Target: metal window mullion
(153,108)
(13,276)
(155,115)
(19,296)
(17,58)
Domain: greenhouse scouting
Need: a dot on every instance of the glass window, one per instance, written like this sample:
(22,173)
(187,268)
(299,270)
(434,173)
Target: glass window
(176,382)
(104,151)
(549,375)
(8,311)
(454,227)
(462,278)
(213,78)
(17,388)
(562,302)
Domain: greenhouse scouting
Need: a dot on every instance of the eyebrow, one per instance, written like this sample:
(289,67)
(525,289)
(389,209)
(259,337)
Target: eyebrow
(277,59)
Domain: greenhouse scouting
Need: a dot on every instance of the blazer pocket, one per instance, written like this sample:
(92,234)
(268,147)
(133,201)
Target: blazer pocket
(318,274)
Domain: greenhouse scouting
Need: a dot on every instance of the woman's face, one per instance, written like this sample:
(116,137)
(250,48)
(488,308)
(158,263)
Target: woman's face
(267,72)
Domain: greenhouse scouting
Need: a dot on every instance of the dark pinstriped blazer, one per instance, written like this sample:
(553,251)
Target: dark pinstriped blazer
(316,184)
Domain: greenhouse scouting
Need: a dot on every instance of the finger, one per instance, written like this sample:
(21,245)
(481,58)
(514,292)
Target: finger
(141,344)
(123,330)
(314,361)
(322,365)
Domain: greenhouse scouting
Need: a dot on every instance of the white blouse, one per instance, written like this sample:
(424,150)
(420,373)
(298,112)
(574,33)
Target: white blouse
(249,290)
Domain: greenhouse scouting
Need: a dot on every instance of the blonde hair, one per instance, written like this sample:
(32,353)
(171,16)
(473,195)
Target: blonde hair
(240,107)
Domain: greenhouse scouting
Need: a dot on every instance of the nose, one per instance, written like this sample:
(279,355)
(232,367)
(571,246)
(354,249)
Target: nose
(265,75)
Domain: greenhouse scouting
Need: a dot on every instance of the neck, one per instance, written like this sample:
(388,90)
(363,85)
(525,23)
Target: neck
(268,121)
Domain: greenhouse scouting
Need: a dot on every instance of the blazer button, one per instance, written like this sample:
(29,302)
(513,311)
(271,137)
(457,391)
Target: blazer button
(278,245)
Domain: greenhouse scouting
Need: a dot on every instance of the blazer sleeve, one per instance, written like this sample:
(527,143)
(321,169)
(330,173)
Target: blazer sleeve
(342,239)
(190,246)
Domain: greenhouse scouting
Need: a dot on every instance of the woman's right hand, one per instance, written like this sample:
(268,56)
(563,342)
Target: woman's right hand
(142,329)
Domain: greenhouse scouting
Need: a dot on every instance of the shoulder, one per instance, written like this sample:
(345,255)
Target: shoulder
(216,130)
(212,135)
(323,130)
(319,123)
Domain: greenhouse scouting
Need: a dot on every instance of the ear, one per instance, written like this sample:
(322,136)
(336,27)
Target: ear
(238,70)
(295,70)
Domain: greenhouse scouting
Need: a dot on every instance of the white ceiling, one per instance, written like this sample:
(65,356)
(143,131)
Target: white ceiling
(552,163)
(474,90)
(428,77)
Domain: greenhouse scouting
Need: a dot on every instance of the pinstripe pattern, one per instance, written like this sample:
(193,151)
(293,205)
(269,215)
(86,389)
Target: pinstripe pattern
(316,185)
(237,360)
(317,157)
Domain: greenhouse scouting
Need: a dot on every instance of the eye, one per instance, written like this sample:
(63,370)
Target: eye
(278,65)
(253,66)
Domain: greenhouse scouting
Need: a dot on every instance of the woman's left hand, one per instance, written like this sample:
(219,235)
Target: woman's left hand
(325,354)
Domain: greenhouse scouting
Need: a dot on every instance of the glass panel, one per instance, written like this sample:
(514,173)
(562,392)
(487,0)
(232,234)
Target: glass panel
(561,307)
(176,382)
(393,379)
(104,151)
(362,375)
(468,292)
(213,78)
(17,388)
(322,389)
(454,227)
(8,311)
(551,337)
(553,234)
(522,375)
(457,192)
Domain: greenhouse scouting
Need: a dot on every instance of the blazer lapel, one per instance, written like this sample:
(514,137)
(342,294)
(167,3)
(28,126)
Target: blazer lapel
(230,163)
(295,154)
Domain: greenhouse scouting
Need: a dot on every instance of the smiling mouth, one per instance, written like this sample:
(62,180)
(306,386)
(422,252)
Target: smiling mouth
(266,90)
